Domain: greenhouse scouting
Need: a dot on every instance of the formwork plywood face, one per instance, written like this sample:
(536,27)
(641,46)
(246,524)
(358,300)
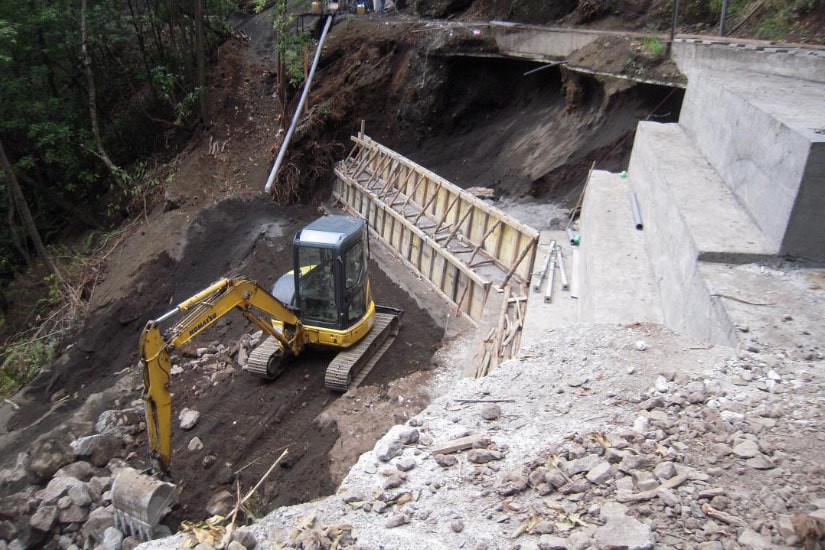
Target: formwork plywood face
(418,213)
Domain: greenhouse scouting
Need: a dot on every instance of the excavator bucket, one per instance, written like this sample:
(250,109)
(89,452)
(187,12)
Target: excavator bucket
(140,502)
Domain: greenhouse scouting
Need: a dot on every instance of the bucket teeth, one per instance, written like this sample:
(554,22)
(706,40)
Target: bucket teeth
(140,502)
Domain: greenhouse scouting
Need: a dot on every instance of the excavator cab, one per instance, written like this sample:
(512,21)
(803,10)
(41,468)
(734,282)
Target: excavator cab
(330,272)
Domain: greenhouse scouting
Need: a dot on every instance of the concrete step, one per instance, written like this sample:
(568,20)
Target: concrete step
(616,284)
(763,134)
(685,202)
(689,216)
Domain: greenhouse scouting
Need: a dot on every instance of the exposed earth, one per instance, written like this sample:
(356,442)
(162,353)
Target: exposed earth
(730,431)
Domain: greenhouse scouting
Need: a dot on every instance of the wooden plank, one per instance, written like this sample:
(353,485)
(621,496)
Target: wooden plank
(455,445)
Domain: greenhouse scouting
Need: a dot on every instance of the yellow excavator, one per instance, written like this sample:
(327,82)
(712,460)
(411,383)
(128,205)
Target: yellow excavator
(324,301)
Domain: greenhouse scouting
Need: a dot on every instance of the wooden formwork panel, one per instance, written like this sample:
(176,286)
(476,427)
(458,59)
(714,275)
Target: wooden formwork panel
(399,183)
(451,278)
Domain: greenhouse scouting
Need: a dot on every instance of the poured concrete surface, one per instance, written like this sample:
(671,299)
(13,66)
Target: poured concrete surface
(764,136)
(617,285)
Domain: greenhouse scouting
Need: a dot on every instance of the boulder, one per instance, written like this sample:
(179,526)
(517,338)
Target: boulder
(99,520)
(47,458)
(188,418)
(221,503)
(44,518)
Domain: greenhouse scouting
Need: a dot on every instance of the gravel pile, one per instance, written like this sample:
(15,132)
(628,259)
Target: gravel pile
(596,437)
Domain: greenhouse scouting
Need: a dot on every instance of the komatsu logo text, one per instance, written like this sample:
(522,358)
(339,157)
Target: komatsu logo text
(200,326)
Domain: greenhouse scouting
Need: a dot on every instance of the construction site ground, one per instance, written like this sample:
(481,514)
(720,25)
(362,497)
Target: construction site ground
(572,389)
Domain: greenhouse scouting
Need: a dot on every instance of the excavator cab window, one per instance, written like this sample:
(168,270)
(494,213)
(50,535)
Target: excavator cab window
(316,284)
(355,272)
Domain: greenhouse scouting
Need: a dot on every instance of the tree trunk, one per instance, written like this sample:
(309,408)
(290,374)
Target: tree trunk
(201,55)
(15,238)
(90,82)
(26,215)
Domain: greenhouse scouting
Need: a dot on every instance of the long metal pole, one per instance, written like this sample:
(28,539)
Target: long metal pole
(637,214)
(299,109)
(722,19)
(564,285)
(673,23)
(548,294)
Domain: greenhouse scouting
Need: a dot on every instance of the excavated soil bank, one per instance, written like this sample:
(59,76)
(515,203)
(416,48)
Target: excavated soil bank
(245,423)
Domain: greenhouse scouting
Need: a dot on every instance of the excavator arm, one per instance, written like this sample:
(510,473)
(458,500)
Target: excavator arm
(204,309)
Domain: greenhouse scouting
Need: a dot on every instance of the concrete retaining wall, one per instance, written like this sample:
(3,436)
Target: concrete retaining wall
(760,133)
(671,248)
(694,55)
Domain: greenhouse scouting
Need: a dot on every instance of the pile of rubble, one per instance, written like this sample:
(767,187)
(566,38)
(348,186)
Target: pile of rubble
(620,437)
(58,495)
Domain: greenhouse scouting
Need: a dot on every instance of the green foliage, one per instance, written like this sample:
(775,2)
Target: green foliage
(653,45)
(20,362)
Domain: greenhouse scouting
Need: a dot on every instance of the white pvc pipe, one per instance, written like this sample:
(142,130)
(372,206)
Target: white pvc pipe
(298,110)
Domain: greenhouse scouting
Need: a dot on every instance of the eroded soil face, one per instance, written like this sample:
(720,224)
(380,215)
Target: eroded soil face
(245,423)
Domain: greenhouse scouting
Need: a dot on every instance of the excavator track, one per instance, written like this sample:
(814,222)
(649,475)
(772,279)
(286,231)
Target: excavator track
(258,363)
(351,366)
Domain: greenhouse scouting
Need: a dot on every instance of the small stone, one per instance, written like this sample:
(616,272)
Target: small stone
(712,545)
(784,525)
(405,464)
(543,528)
(188,418)
(661,384)
(746,449)
(80,495)
(641,345)
(514,482)
(81,470)
(396,520)
(47,457)
(754,541)
(235,545)
(583,464)
(73,514)
(655,402)
(457,525)
(664,470)
(245,537)
(668,497)
(576,381)
(195,444)
(445,461)
(548,542)
(760,462)
(393,482)
(490,411)
(386,450)
(482,456)
(112,539)
(221,503)
(644,480)
(600,473)
(408,436)
(787,317)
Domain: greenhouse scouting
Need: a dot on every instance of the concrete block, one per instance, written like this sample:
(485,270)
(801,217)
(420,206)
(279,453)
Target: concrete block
(689,216)
(763,135)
